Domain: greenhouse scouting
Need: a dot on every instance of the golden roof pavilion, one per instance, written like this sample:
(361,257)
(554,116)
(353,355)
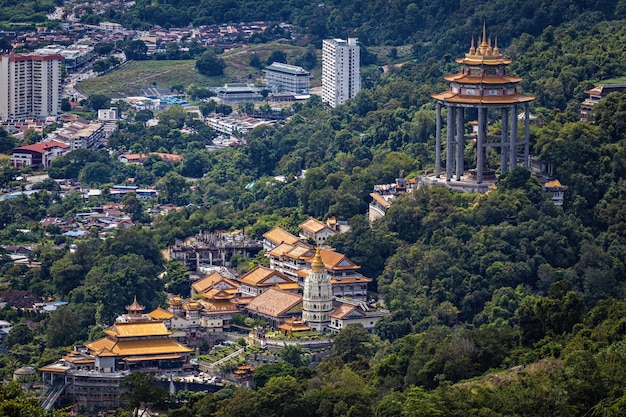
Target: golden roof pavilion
(482,86)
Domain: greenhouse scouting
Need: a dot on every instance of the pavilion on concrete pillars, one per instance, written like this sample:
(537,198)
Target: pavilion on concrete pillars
(483,84)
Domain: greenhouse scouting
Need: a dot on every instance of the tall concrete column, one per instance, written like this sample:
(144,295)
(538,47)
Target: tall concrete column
(449,142)
(526,135)
(513,139)
(460,142)
(503,140)
(480,140)
(438,142)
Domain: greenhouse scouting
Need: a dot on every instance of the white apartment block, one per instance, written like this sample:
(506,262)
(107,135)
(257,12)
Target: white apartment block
(30,85)
(341,76)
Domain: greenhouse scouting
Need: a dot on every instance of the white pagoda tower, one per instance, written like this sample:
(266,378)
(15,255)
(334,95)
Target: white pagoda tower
(317,300)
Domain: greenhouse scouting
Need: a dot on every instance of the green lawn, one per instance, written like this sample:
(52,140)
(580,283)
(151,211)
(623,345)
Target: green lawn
(131,77)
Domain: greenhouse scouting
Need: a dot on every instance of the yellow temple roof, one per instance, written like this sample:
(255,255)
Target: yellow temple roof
(379,198)
(294,326)
(219,305)
(148,328)
(160,314)
(555,185)
(289,286)
(137,347)
(175,301)
(216,293)
(104,352)
(192,306)
(150,358)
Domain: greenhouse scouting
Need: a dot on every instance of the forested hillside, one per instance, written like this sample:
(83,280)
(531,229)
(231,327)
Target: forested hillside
(435,27)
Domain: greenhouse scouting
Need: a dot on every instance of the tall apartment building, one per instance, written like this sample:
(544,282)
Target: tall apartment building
(341,76)
(30,85)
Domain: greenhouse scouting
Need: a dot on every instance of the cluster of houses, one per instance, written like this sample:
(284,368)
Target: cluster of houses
(73,133)
(103,218)
(76,40)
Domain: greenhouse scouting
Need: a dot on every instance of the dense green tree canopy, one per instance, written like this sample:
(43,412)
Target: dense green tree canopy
(210,64)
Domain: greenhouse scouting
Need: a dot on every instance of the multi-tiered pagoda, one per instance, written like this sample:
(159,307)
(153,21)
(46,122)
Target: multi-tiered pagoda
(483,84)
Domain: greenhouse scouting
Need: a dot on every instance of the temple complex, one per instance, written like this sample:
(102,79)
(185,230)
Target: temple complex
(91,374)
(306,288)
(484,87)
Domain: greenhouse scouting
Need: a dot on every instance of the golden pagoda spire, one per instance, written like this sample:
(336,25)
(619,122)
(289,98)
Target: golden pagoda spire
(483,42)
(496,51)
(317,265)
(489,49)
(472,50)
(484,32)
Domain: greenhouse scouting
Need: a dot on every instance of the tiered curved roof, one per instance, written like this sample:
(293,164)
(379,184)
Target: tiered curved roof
(481,79)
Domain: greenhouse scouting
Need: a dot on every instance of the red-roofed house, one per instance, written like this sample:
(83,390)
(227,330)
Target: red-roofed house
(38,155)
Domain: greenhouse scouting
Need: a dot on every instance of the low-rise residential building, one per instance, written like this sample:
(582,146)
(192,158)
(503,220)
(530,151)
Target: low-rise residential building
(233,125)
(5,328)
(39,155)
(112,27)
(284,78)
(235,93)
(81,134)
(74,56)
(140,158)
(110,114)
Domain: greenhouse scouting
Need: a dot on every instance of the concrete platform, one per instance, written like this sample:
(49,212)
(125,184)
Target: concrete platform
(467,184)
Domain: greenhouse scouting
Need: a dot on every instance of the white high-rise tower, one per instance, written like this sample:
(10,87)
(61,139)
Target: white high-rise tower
(341,70)
(317,300)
